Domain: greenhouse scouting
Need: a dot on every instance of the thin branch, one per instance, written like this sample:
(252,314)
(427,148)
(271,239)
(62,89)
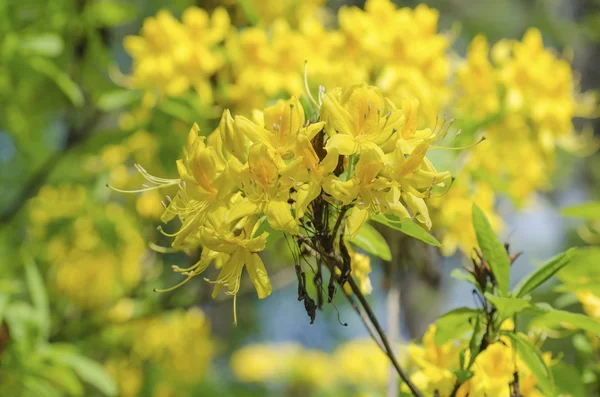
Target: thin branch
(365,320)
(382,335)
(75,137)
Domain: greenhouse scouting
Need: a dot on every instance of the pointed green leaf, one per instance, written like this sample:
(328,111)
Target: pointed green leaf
(117,99)
(492,248)
(39,296)
(589,210)
(460,274)
(564,319)
(475,342)
(369,239)
(45,44)
(532,357)
(408,228)
(89,371)
(568,380)
(109,13)
(454,325)
(543,273)
(508,306)
(60,78)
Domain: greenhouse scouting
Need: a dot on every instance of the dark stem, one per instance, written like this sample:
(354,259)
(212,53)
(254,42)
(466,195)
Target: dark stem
(75,136)
(382,335)
(365,321)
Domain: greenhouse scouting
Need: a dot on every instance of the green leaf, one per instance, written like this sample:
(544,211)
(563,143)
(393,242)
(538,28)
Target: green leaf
(589,210)
(583,266)
(460,274)
(475,342)
(39,296)
(568,380)
(408,228)
(65,378)
(492,248)
(39,387)
(45,44)
(543,273)
(109,13)
(454,324)
(89,371)
(117,99)
(463,375)
(508,306)
(564,319)
(369,239)
(249,11)
(532,357)
(60,78)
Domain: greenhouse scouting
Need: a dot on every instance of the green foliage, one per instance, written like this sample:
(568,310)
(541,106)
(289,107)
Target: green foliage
(369,239)
(543,273)
(408,228)
(589,210)
(492,248)
(454,324)
(31,365)
(534,361)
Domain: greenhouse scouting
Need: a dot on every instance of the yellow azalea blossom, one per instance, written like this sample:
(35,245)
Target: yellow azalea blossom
(435,364)
(359,117)
(242,247)
(266,189)
(278,363)
(92,269)
(178,342)
(452,214)
(381,39)
(292,10)
(362,153)
(174,56)
(280,127)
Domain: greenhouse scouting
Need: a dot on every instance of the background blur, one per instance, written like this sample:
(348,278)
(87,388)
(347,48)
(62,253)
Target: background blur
(75,267)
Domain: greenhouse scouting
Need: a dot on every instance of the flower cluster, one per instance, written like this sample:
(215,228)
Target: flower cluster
(297,366)
(173,57)
(177,343)
(363,156)
(525,99)
(94,251)
(434,368)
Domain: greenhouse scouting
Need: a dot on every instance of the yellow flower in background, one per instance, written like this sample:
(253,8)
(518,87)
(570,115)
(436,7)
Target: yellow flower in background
(362,363)
(383,38)
(94,250)
(179,342)
(172,57)
(435,364)
(276,363)
(452,214)
(128,374)
(524,100)
(291,10)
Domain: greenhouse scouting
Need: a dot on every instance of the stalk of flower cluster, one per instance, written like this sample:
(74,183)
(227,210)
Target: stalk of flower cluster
(334,262)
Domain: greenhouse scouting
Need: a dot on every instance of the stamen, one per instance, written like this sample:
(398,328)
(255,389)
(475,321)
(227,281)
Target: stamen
(312,99)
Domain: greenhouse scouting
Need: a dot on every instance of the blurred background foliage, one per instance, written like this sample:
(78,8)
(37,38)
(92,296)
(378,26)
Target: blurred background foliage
(78,315)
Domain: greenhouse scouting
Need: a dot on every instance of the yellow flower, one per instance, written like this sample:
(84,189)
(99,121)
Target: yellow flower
(178,342)
(358,118)
(452,214)
(174,56)
(382,40)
